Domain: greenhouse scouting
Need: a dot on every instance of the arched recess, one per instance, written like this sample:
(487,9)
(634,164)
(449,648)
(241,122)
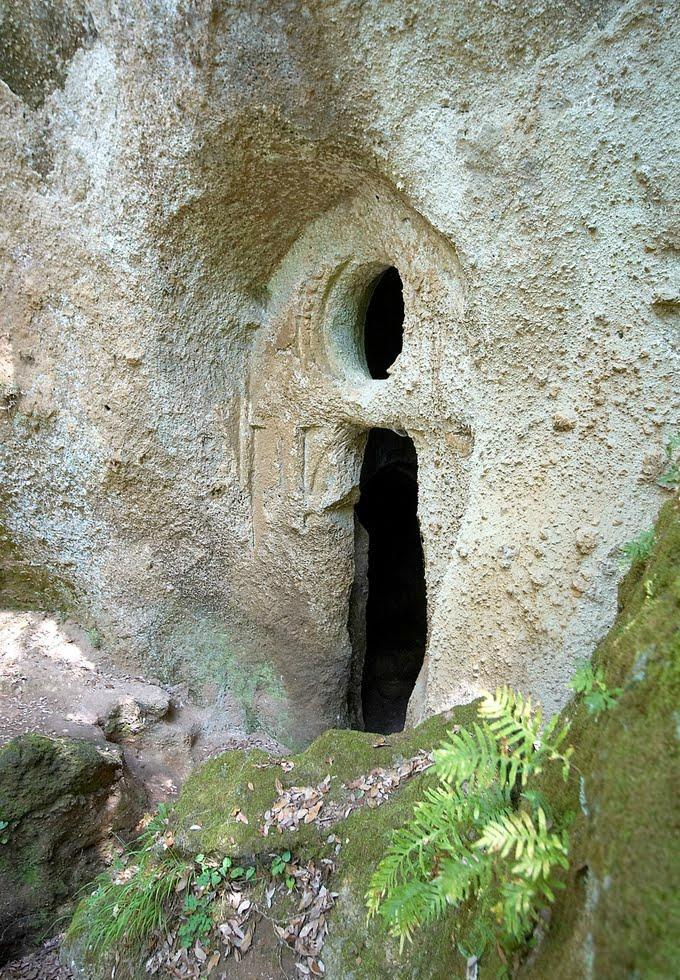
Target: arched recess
(388,607)
(304,420)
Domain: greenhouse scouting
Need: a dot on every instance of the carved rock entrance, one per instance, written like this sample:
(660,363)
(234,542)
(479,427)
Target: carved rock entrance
(391,581)
(354,352)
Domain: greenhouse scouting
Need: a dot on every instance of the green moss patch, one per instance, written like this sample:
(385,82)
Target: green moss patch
(217,797)
(618,916)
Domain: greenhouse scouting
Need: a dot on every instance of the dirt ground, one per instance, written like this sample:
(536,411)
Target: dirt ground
(54,680)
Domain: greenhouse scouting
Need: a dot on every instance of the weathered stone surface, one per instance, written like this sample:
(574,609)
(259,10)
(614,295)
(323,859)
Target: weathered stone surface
(60,799)
(193,206)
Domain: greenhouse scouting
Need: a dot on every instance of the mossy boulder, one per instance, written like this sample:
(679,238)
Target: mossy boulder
(59,801)
(214,794)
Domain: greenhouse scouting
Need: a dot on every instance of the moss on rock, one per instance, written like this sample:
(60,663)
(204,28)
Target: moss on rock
(214,794)
(59,797)
(619,914)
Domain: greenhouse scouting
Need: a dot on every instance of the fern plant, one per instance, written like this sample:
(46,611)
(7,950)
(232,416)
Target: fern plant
(592,684)
(638,549)
(482,834)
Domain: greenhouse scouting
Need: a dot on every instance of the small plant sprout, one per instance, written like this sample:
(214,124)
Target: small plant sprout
(4,832)
(639,549)
(197,922)
(281,865)
(591,683)
(670,478)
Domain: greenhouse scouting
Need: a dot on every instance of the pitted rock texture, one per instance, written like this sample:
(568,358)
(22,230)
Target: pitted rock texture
(194,206)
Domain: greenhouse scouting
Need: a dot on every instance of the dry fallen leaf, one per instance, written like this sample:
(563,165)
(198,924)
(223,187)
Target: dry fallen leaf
(248,939)
(313,812)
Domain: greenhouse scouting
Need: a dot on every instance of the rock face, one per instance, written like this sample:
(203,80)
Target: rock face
(197,203)
(59,800)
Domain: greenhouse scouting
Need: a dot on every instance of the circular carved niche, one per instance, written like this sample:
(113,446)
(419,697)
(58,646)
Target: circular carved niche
(364,321)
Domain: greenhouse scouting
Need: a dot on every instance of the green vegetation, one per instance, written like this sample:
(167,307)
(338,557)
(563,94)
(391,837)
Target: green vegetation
(197,920)
(129,902)
(127,910)
(481,834)
(281,866)
(4,832)
(637,550)
(152,887)
(590,681)
(670,478)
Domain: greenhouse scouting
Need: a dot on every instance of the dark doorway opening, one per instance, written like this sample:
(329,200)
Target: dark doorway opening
(384,324)
(394,616)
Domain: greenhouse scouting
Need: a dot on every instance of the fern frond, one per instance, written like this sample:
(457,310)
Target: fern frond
(415,903)
(474,832)
(467,754)
(411,906)
(513,720)
(435,828)
(518,727)
(518,907)
(460,879)
(549,851)
(510,831)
